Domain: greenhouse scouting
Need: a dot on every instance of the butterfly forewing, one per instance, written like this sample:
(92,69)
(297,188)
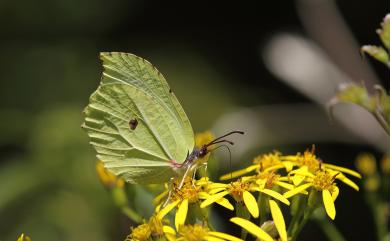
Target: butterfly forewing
(135,129)
(138,72)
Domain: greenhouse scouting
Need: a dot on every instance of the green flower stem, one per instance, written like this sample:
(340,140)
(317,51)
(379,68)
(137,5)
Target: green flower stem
(196,214)
(297,211)
(242,212)
(379,117)
(120,200)
(329,229)
(130,213)
(300,226)
(262,202)
(378,210)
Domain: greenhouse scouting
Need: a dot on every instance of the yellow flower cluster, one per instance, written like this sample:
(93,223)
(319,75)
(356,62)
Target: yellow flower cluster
(255,194)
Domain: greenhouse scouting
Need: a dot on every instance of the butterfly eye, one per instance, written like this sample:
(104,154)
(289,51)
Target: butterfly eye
(133,124)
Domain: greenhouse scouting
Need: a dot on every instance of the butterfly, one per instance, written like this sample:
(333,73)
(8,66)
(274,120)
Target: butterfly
(137,126)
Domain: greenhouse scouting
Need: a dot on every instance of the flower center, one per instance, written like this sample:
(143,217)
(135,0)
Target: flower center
(310,160)
(187,191)
(268,178)
(193,232)
(323,180)
(237,188)
(140,233)
(267,160)
(156,226)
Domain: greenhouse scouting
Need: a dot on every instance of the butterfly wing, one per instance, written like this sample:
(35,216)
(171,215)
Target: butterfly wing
(135,123)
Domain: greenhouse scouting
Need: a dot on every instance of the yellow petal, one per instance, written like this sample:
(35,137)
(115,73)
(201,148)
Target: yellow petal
(288,165)
(276,195)
(171,237)
(261,183)
(215,190)
(252,228)
(225,203)
(277,216)
(290,158)
(251,204)
(329,204)
(335,193)
(203,195)
(157,200)
(211,238)
(181,214)
(168,230)
(157,209)
(224,236)
(238,173)
(213,199)
(167,209)
(217,185)
(298,179)
(285,185)
(297,190)
(274,167)
(348,181)
(203,181)
(343,169)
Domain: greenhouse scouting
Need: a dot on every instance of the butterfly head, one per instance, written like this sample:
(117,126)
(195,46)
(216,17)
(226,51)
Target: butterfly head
(220,140)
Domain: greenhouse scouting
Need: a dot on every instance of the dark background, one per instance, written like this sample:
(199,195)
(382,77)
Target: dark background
(210,53)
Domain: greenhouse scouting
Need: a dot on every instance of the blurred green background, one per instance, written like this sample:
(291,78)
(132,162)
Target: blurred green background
(214,55)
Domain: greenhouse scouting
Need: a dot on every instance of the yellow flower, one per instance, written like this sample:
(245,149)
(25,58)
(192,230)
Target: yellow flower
(322,181)
(366,164)
(385,164)
(203,138)
(190,193)
(153,228)
(198,232)
(107,178)
(140,233)
(241,190)
(262,163)
(24,238)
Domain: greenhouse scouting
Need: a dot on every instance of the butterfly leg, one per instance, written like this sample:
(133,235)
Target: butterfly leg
(170,187)
(185,175)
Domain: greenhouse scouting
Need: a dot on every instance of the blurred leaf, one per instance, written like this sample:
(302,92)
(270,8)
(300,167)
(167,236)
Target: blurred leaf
(376,52)
(17,180)
(356,94)
(384,32)
(378,104)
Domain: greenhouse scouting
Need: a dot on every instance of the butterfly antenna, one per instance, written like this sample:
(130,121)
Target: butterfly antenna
(227,134)
(230,156)
(220,141)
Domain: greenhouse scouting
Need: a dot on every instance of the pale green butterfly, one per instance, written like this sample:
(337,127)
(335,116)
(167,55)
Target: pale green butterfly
(137,125)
